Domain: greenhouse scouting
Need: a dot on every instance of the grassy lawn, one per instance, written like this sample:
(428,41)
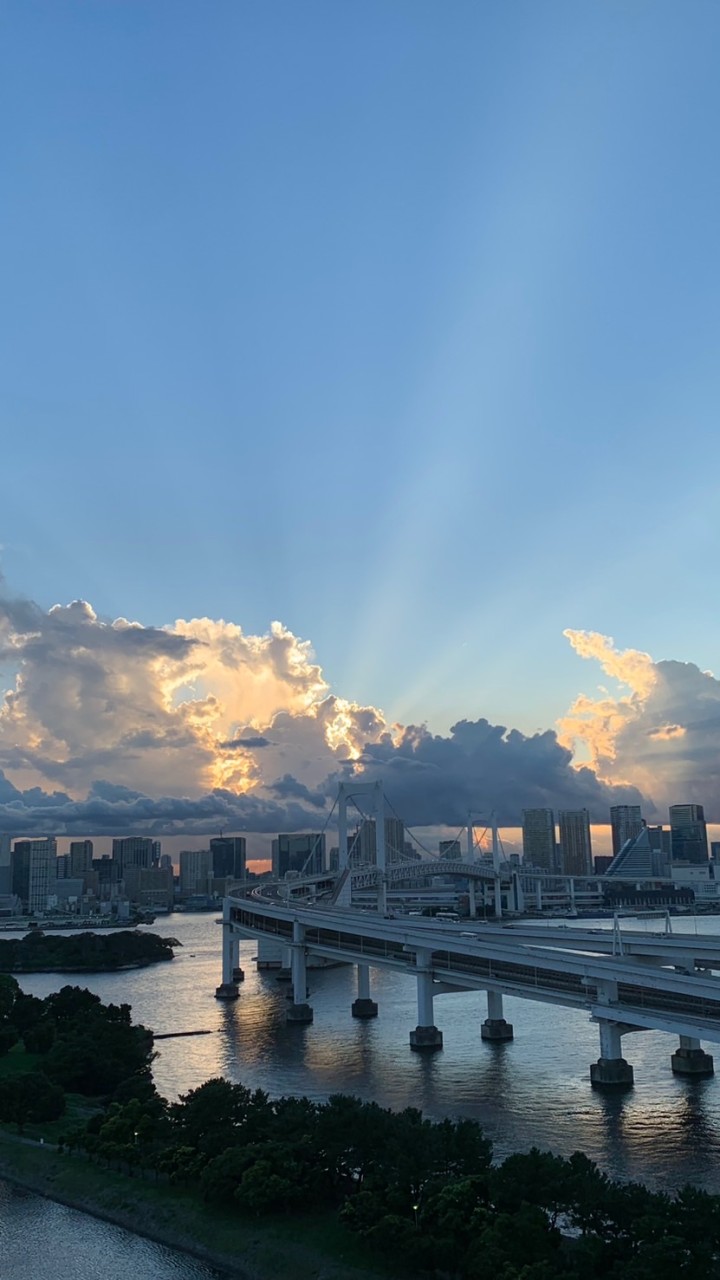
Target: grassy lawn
(283,1247)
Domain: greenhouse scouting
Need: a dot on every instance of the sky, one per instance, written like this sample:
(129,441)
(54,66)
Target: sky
(362,360)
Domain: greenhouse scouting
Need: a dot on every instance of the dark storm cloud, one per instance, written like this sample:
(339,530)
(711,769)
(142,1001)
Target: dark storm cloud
(433,780)
(114,810)
(289,787)
(244,744)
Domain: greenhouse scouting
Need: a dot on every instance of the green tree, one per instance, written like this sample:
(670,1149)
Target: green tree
(30,1099)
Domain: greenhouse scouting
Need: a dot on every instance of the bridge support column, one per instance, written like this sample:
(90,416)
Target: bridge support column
(269,954)
(611,1070)
(228,989)
(472,902)
(284,973)
(495,1029)
(426,1034)
(691,1060)
(299,1011)
(363,1007)
(238,974)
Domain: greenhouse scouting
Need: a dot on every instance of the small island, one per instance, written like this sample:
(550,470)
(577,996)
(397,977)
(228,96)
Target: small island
(38,952)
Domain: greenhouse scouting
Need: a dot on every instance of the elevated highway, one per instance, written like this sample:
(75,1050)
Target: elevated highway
(639,982)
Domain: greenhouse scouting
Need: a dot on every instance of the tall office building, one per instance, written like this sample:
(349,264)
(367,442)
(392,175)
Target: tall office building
(228,857)
(626,822)
(688,833)
(5,866)
(539,848)
(365,845)
(81,856)
(298,853)
(451,850)
(156,852)
(575,845)
(195,869)
(33,872)
(132,851)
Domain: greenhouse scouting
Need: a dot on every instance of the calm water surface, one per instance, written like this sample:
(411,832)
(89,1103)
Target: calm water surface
(533,1091)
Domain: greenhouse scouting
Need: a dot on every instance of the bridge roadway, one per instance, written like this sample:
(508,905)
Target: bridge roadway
(660,982)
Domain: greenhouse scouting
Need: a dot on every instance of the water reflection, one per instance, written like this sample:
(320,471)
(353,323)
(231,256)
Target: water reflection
(532,1091)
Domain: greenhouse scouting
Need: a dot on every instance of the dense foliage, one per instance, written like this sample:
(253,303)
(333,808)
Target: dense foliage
(424,1195)
(36,952)
(84,1046)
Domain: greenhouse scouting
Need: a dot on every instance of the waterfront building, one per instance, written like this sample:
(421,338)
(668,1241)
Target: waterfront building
(33,872)
(688,833)
(156,853)
(575,844)
(228,857)
(300,853)
(539,847)
(150,888)
(626,822)
(81,857)
(195,871)
(132,851)
(62,866)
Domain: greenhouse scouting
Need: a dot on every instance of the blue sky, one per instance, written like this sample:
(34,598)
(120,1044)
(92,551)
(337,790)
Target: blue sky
(397,322)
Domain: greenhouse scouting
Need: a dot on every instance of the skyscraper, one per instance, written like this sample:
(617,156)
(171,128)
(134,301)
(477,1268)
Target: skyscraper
(132,851)
(575,846)
(298,853)
(195,866)
(228,857)
(81,856)
(539,849)
(626,822)
(33,872)
(688,833)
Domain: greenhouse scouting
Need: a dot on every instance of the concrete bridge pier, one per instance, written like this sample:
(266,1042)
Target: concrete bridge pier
(691,1059)
(472,900)
(299,1011)
(228,989)
(363,1007)
(495,1029)
(426,1034)
(269,954)
(611,1070)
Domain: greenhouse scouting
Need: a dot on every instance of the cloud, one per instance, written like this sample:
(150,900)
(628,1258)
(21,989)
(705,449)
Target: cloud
(434,779)
(663,733)
(110,726)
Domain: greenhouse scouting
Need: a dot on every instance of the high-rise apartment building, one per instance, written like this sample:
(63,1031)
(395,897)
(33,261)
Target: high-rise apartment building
(539,847)
(626,822)
(365,843)
(688,833)
(132,851)
(5,866)
(81,856)
(195,870)
(33,872)
(575,845)
(228,857)
(298,853)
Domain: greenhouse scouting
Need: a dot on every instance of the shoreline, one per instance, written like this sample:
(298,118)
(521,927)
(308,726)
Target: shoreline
(262,1253)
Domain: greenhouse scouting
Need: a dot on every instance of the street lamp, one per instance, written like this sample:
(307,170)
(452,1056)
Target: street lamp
(416,1206)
